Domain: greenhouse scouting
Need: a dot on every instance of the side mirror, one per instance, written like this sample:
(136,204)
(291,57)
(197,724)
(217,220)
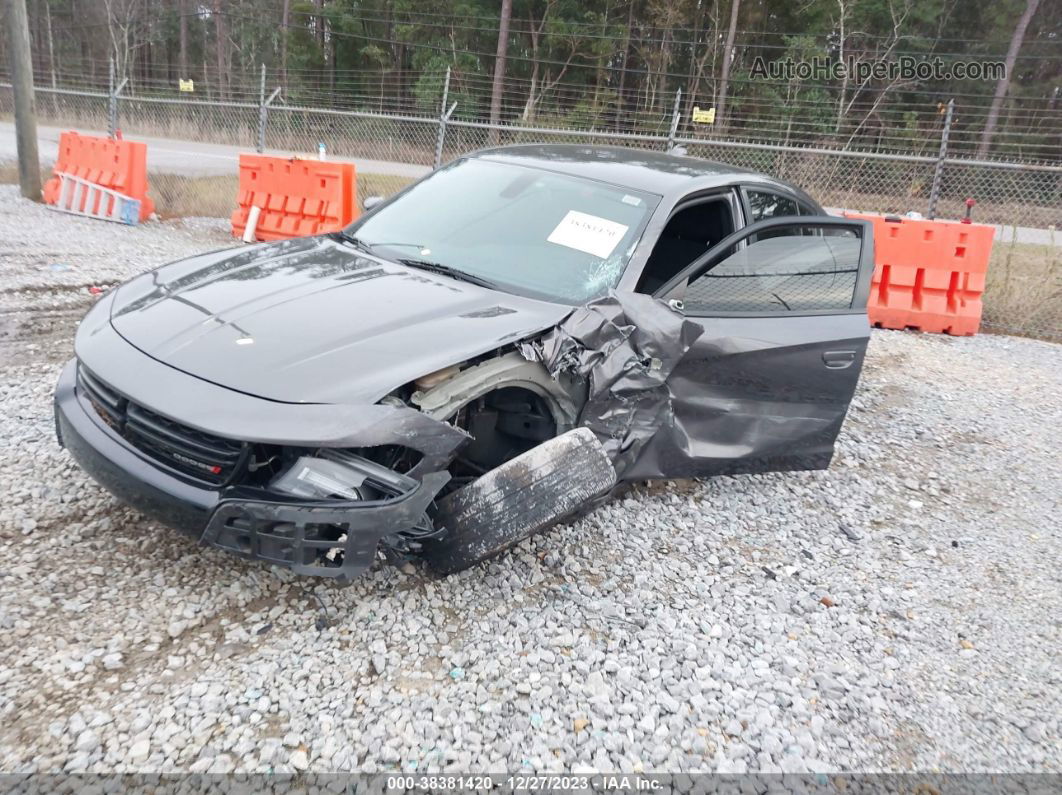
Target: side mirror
(371,201)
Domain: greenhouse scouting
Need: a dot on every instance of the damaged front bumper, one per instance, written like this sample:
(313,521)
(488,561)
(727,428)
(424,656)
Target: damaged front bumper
(328,538)
(335,539)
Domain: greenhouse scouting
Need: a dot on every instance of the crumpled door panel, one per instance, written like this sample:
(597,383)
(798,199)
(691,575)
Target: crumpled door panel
(671,396)
(626,346)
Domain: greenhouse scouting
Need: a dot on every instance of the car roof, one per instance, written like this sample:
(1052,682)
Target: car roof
(641,169)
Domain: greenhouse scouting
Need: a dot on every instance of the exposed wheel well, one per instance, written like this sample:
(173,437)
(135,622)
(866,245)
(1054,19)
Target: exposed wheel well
(503,423)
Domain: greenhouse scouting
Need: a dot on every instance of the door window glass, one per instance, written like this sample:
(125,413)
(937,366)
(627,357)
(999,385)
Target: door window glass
(799,268)
(763,204)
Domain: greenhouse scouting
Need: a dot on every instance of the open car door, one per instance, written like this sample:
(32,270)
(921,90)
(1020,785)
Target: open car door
(782,305)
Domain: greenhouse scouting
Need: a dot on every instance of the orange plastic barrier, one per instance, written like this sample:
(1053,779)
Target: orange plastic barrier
(113,163)
(928,275)
(297,197)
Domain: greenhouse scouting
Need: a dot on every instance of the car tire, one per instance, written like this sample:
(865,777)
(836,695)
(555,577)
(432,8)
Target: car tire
(523,496)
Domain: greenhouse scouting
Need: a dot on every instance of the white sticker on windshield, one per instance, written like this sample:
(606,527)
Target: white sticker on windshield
(597,236)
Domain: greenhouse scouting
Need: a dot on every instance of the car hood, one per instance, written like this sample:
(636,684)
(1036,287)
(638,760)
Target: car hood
(312,320)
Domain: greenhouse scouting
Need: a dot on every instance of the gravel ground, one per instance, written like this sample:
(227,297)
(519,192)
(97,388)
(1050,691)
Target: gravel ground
(897,612)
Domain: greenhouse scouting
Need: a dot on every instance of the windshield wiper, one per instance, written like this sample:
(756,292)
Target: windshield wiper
(356,241)
(446,270)
(422,264)
(370,248)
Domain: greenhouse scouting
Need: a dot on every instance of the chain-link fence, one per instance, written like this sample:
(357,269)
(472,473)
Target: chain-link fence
(1024,286)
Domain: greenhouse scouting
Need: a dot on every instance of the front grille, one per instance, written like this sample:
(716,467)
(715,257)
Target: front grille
(206,457)
(108,403)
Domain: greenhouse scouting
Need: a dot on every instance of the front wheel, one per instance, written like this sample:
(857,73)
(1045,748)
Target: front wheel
(523,496)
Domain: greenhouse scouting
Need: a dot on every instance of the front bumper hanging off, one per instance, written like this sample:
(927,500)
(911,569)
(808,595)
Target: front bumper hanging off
(336,539)
(299,536)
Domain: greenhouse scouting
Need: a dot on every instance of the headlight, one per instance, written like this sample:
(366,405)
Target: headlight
(332,474)
(320,479)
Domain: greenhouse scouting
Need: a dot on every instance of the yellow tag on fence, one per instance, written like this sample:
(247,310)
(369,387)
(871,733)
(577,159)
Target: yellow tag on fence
(703,116)
(186,85)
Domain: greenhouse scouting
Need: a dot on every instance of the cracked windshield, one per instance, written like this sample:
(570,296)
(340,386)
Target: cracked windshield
(530,232)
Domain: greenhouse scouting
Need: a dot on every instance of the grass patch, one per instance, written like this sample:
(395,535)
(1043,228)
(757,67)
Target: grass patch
(380,185)
(1023,289)
(177,196)
(9,173)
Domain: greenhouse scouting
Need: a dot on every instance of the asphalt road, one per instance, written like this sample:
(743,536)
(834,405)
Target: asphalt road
(1005,234)
(198,158)
(190,158)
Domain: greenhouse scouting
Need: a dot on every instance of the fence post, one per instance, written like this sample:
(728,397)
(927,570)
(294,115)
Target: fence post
(263,110)
(938,174)
(112,100)
(261,113)
(674,121)
(443,117)
(21,60)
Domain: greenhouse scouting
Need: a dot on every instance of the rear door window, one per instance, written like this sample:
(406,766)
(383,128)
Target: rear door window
(764,204)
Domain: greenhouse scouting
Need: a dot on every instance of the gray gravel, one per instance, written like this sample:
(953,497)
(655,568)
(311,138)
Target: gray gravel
(897,612)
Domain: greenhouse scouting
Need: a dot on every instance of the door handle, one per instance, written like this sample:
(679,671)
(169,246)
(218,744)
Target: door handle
(838,360)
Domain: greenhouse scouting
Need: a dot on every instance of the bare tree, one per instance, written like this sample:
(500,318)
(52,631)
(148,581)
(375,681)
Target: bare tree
(121,21)
(541,86)
(622,90)
(842,20)
(699,63)
(535,32)
(599,72)
(499,67)
(285,17)
(657,53)
(182,51)
(898,15)
(221,33)
(318,23)
(51,43)
(728,60)
(1003,84)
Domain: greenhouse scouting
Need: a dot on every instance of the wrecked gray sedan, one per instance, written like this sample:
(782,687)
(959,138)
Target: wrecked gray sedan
(488,352)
